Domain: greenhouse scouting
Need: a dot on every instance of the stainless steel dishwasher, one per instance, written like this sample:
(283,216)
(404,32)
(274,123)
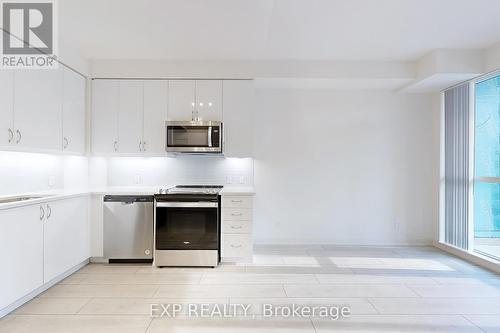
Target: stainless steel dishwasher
(128,228)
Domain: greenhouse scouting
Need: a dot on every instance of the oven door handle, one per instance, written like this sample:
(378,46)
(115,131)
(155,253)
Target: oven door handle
(187,204)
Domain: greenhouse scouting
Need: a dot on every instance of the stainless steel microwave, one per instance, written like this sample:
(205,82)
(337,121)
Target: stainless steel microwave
(194,137)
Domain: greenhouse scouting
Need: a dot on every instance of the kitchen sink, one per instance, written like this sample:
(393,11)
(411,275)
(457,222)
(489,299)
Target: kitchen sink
(22,198)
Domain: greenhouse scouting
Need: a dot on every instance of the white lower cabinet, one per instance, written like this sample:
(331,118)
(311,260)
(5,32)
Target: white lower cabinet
(21,252)
(236,219)
(40,242)
(65,236)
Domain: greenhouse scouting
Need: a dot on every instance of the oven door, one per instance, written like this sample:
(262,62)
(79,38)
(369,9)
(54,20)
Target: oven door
(187,226)
(194,137)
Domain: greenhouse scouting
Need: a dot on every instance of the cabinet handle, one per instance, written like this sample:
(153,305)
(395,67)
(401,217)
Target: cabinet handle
(66,143)
(49,212)
(143,145)
(115,145)
(236,227)
(236,214)
(236,246)
(11,135)
(19,136)
(42,213)
(140,145)
(232,200)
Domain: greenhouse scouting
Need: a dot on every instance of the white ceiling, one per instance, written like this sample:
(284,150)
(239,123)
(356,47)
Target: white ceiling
(279,29)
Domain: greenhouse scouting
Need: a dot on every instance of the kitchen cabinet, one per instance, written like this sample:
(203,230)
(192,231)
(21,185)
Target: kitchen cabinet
(105,106)
(21,252)
(42,110)
(181,100)
(40,242)
(7,108)
(73,111)
(236,221)
(195,99)
(38,108)
(209,100)
(65,236)
(155,115)
(238,103)
(130,116)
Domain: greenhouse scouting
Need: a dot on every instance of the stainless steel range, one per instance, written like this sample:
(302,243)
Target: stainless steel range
(187,226)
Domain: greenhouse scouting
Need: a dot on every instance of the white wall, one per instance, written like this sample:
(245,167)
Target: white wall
(346,167)
(30,172)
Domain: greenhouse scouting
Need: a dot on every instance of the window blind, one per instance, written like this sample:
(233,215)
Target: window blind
(456,159)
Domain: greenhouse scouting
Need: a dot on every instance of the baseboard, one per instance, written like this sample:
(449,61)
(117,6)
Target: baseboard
(319,242)
(475,258)
(9,308)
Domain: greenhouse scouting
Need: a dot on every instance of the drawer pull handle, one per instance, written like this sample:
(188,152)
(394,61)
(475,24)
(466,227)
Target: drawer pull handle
(236,214)
(236,200)
(236,227)
(236,246)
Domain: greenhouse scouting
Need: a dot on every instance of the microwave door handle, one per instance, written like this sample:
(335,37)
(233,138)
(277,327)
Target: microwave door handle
(210,136)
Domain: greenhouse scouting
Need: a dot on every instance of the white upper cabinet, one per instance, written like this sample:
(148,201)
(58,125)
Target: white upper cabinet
(238,102)
(73,112)
(155,115)
(38,108)
(42,110)
(209,100)
(195,99)
(130,116)
(65,234)
(7,108)
(21,252)
(131,113)
(105,106)
(181,100)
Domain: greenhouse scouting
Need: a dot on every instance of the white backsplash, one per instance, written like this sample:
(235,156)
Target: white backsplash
(161,171)
(30,172)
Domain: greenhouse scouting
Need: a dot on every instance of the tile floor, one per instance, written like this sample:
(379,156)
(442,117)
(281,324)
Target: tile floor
(396,289)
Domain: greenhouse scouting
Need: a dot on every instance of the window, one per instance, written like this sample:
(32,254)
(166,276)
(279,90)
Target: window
(487,167)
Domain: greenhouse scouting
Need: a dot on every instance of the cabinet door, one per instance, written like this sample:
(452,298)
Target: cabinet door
(73,112)
(155,114)
(105,101)
(6,108)
(238,118)
(38,108)
(209,99)
(21,252)
(66,242)
(130,116)
(181,100)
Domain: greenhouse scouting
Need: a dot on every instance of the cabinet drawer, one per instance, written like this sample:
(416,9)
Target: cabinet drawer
(236,227)
(236,245)
(236,202)
(236,214)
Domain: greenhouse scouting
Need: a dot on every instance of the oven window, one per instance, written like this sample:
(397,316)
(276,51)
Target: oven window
(184,136)
(186,229)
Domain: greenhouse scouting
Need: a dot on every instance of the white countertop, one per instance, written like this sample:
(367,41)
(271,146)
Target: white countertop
(47,196)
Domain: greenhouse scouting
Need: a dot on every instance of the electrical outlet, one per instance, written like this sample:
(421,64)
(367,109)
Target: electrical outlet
(243,179)
(137,179)
(229,180)
(52,181)
(396,226)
